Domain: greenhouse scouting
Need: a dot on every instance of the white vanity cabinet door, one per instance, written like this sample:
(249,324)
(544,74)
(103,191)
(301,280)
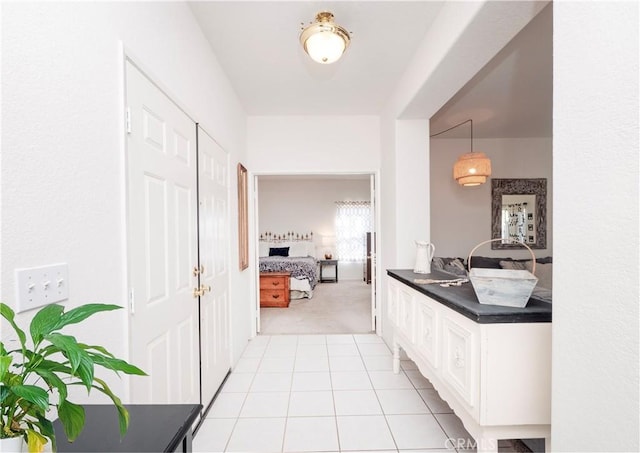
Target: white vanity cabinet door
(460,367)
(405,312)
(392,300)
(427,336)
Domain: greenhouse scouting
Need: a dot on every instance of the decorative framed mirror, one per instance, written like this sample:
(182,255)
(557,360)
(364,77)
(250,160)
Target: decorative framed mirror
(519,212)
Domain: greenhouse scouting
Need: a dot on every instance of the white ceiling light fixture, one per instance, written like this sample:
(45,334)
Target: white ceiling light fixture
(472,168)
(324,40)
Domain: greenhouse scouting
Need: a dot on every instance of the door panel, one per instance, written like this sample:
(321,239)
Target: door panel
(213,199)
(162,241)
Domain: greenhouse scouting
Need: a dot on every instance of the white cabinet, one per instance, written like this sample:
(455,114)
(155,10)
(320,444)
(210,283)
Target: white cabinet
(496,376)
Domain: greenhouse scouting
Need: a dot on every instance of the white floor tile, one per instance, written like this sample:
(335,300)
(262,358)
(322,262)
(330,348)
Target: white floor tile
(213,435)
(312,339)
(271,382)
(340,339)
(364,432)
(311,350)
(254,350)
(340,363)
(378,362)
(436,404)
(373,349)
(227,405)
(401,401)
(283,340)
(418,380)
(310,434)
(389,380)
(304,364)
(247,365)
(268,404)
(238,382)
(276,365)
(260,340)
(351,380)
(311,404)
(336,350)
(316,380)
(280,350)
(356,402)
(367,338)
(417,431)
(257,434)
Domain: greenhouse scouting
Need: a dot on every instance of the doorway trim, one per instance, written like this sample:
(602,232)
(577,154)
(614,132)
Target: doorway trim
(254,232)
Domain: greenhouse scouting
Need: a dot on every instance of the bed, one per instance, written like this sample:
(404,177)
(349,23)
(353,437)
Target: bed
(292,253)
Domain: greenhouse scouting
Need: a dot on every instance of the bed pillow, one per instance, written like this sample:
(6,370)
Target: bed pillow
(279,251)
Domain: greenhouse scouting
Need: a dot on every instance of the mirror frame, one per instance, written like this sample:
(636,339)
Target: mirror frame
(534,186)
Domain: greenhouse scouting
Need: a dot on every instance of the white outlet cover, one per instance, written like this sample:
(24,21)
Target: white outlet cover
(38,286)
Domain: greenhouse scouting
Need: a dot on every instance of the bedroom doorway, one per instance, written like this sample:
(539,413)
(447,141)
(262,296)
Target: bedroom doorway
(315,223)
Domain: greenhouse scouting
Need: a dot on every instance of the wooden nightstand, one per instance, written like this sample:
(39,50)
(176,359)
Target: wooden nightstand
(324,263)
(274,289)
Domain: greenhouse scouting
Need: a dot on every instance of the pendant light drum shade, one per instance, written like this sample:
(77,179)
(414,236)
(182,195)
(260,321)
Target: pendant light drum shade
(324,40)
(472,169)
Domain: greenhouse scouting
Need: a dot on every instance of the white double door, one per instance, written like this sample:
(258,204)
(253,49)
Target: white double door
(178,226)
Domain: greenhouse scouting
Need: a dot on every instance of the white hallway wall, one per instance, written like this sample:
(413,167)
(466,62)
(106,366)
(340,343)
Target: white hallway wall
(461,216)
(62,156)
(304,205)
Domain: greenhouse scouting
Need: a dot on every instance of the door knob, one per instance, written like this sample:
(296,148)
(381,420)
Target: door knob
(198,270)
(201,291)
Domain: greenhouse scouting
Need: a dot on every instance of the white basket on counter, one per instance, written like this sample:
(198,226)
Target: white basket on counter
(506,287)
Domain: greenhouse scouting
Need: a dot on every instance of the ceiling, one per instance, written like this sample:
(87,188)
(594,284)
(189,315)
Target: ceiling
(256,43)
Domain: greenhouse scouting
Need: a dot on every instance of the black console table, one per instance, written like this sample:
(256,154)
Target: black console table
(152,428)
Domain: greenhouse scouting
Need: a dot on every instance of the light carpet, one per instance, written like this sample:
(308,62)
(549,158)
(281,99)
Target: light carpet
(343,307)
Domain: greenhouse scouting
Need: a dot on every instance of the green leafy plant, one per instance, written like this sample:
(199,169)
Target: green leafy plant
(46,367)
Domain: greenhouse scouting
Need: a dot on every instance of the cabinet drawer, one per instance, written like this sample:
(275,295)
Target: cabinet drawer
(277,283)
(273,298)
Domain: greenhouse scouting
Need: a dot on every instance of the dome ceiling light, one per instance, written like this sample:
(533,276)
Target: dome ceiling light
(324,40)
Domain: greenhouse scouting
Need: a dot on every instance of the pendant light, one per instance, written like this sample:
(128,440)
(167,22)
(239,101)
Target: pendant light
(324,40)
(472,168)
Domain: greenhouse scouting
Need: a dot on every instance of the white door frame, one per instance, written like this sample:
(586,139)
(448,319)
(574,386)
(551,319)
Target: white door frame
(254,215)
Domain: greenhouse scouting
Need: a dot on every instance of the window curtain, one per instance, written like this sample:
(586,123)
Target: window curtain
(353,220)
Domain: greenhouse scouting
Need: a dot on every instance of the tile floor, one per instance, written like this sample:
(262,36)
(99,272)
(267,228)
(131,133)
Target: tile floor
(326,393)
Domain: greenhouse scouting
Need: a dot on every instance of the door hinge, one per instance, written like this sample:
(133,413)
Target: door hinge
(128,120)
(132,307)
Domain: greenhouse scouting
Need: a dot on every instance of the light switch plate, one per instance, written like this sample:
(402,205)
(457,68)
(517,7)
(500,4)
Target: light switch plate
(38,286)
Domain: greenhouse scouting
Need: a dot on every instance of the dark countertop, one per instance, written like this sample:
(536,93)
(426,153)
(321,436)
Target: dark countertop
(463,300)
(152,428)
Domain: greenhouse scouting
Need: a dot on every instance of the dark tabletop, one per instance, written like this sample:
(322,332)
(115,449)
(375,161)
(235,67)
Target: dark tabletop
(463,300)
(152,428)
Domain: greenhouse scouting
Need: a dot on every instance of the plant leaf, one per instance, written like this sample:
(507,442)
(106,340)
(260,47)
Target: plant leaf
(123,413)
(46,429)
(116,365)
(8,314)
(100,349)
(83,312)
(35,441)
(33,394)
(5,363)
(72,418)
(45,322)
(53,381)
(67,345)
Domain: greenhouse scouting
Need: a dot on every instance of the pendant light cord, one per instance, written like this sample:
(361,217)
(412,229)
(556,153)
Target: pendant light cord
(453,127)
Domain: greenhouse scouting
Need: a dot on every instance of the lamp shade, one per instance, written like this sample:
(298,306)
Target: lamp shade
(472,169)
(324,40)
